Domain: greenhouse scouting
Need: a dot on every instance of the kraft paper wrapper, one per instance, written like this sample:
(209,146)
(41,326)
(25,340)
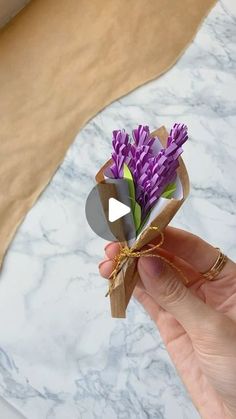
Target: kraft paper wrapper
(128,276)
(61,62)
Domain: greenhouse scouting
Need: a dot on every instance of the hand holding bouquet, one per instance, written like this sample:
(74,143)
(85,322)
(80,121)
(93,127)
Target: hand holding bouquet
(156,184)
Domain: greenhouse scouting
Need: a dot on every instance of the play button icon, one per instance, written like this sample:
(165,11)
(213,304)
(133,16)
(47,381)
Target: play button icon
(108,211)
(116,210)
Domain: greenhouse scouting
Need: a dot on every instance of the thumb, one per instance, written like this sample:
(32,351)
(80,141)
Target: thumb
(166,288)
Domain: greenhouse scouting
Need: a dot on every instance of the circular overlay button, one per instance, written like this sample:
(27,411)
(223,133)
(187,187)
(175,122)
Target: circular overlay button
(108,211)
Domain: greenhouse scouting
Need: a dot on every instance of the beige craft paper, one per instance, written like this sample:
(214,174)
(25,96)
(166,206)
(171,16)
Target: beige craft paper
(9,8)
(128,276)
(60,63)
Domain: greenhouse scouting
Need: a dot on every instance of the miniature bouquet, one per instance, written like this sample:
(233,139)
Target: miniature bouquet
(150,174)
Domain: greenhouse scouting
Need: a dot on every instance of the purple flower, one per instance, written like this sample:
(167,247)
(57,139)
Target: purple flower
(161,170)
(125,152)
(178,135)
(151,172)
(142,137)
(120,155)
(141,151)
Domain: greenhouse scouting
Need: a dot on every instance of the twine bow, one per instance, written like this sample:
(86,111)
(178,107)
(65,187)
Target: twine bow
(130,252)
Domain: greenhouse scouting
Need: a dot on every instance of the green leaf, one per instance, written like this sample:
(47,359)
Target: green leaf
(135,207)
(137,216)
(143,223)
(127,175)
(169,190)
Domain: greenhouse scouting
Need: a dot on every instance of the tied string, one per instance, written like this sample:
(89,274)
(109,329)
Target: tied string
(127,252)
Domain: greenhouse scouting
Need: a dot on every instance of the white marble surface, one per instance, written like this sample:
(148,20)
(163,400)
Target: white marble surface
(61,355)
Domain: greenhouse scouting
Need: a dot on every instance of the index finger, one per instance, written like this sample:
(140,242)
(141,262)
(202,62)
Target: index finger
(191,248)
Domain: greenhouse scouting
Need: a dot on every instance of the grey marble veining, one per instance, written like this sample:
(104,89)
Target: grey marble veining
(61,355)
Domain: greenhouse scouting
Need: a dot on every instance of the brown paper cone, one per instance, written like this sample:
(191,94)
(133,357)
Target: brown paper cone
(128,276)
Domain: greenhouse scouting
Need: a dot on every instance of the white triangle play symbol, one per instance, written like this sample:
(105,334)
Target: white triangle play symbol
(116,210)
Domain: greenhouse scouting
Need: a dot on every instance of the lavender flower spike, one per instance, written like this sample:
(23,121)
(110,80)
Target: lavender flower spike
(178,135)
(121,150)
(151,172)
(141,136)
(161,170)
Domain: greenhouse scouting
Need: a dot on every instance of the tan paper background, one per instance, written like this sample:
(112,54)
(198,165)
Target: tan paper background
(60,63)
(9,8)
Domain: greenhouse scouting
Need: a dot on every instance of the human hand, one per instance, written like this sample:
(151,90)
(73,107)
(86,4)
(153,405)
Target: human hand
(197,321)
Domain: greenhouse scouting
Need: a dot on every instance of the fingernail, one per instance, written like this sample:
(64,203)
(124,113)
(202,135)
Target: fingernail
(152,266)
(108,245)
(102,263)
